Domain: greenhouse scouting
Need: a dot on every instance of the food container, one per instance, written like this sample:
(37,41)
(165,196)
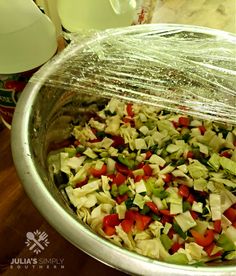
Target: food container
(63,89)
(102,15)
(27,42)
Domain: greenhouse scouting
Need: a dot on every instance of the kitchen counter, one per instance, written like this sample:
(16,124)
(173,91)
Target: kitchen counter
(215,14)
(18,216)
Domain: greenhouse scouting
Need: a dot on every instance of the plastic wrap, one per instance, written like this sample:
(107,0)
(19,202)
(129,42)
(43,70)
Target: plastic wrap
(181,68)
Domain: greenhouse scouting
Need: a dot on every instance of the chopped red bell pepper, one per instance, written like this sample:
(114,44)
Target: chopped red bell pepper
(109,230)
(233,206)
(166,212)
(138,178)
(191,198)
(111,220)
(175,247)
(142,221)
(203,240)
(153,207)
(194,214)
(166,219)
(147,170)
(148,154)
(94,131)
(203,193)
(119,178)
(145,177)
(184,121)
(97,140)
(175,124)
(226,154)
(171,233)
(230,213)
(129,109)
(111,176)
(190,154)
(130,215)
(183,191)
(121,198)
(82,183)
(123,169)
(117,141)
(98,173)
(128,120)
(140,165)
(217,226)
(167,178)
(76,143)
(202,129)
(127,225)
(218,254)
(209,248)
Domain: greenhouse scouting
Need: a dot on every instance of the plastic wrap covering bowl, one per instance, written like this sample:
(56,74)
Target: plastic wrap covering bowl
(181,68)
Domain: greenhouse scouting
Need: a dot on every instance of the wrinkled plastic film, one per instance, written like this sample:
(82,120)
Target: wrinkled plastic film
(192,70)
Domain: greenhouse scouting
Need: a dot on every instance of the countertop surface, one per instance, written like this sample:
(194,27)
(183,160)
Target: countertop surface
(216,14)
(18,217)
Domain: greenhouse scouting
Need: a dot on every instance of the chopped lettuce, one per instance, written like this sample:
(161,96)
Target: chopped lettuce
(228,165)
(90,153)
(139,201)
(140,187)
(177,258)
(215,205)
(214,161)
(88,188)
(152,248)
(185,221)
(197,170)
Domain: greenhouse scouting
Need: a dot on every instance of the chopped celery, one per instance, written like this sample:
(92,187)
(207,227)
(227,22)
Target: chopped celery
(80,149)
(156,217)
(159,192)
(214,161)
(71,151)
(177,258)
(129,203)
(166,241)
(123,189)
(145,210)
(130,163)
(186,206)
(228,165)
(114,190)
(179,231)
(224,242)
